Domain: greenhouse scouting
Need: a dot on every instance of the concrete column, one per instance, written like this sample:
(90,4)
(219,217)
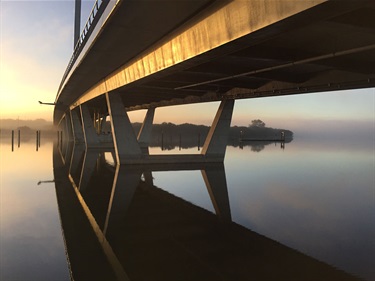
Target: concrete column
(91,138)
(77,128)
(217,138)
(216,183)
(124,139)
(144,135)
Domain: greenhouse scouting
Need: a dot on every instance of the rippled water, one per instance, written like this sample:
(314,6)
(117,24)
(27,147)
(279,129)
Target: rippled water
(315,197)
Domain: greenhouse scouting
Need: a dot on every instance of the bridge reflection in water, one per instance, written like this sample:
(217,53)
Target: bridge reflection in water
(118,226)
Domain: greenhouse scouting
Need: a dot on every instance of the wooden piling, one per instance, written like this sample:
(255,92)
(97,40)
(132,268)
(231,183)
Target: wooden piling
(12,140)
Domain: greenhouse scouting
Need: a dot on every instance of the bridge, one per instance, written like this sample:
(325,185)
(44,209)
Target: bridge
(136,55)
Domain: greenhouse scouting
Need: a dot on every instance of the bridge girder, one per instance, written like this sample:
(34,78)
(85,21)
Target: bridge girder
(227,49)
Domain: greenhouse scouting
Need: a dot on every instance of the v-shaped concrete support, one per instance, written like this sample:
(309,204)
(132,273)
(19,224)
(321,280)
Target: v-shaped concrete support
(124,139)
(217,138)
(144,135)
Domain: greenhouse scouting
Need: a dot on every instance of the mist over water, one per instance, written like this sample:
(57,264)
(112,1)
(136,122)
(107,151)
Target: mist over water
(362,131)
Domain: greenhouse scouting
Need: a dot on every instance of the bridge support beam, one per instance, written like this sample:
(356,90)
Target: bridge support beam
(144,134)
(132,150)
(77,127)
(217,138)
(216,183)
(124,139)
(91,138)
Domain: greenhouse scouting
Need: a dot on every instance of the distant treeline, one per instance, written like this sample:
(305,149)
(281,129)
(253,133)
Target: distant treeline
(187,135)
(37,124)
(236,132)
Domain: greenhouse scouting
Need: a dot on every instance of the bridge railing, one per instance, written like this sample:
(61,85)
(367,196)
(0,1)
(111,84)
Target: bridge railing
(95,14)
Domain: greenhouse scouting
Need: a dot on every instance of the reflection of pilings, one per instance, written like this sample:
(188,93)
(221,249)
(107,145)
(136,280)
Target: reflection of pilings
(12,140)
(37,140)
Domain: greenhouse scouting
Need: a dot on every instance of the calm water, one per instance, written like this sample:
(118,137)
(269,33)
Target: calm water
(315,197)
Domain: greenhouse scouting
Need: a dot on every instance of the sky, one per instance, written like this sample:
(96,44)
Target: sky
(36,43)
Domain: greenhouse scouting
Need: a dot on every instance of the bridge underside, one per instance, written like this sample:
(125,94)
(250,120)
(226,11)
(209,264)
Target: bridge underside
(222,50)
(337,54)
(326,47)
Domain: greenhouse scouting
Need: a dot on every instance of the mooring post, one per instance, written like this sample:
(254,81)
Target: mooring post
(12,140)
(37,140)
(19,138)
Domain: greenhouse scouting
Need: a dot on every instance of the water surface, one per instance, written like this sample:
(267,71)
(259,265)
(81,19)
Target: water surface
(314,197)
